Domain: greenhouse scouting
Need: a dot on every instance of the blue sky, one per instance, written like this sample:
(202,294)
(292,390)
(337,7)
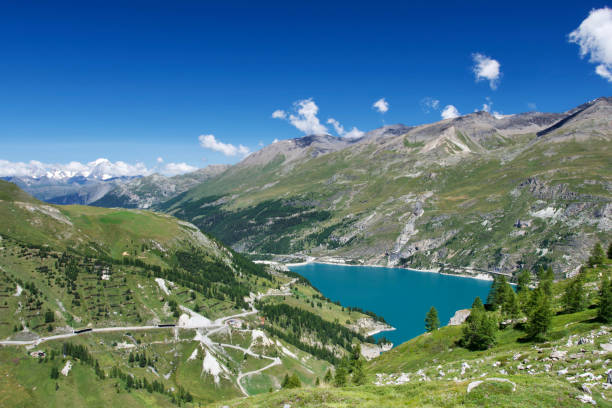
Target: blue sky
(144,80)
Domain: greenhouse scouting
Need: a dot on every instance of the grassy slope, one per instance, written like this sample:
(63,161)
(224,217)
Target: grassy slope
(432,353)
(107,233)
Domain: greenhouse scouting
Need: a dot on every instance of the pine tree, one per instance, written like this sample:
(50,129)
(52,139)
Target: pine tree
(546,281)
(494,297)
(432,322)
(480,331)
(317,382)
(54,373)
(340,377)
(292,381)
(328,376)
(511,307)
(574,297)
(597,256)
(604,313)
(524,277)
(610,251)
(358,374)
(477,304)
(356,352)
(540,316)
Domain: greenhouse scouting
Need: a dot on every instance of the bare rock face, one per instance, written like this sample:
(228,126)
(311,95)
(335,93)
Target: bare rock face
(459,317)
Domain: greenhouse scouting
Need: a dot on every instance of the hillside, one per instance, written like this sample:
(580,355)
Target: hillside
(569,367)
(129,307)
(474,192)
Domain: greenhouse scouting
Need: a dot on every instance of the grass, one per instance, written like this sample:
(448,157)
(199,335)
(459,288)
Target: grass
(545,392)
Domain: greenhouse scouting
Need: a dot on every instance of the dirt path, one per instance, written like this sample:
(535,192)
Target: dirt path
(211,328)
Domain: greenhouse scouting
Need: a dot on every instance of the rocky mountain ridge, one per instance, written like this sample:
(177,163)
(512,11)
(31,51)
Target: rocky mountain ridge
(459,193)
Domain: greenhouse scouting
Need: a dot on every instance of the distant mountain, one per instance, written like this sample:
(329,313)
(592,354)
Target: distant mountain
(100,190)
(477,191)
(58,189)
(143,192)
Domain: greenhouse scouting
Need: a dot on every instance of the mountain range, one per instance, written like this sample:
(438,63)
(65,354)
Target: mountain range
(474,192)
(477,192)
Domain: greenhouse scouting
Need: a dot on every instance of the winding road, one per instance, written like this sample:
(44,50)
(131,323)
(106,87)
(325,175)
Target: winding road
(211,328)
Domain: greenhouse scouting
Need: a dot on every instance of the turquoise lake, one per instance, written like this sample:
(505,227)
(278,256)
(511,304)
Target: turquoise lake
(401,296)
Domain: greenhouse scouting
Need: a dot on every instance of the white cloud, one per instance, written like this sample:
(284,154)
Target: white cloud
(450,112)
(305,117)
(594,36)
(428,104)
(532,106)
(228,149)
(160,160)
(354,133)
(603,71)
(381,105)
(487,107)
(172,169)
(279,114)
(275,141)
(100,168)
(337,126)
(486,68)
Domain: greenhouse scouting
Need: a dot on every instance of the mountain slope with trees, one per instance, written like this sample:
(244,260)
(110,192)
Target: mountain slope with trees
(476,192)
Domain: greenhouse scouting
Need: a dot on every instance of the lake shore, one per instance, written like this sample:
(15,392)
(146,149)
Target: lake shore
(479,276)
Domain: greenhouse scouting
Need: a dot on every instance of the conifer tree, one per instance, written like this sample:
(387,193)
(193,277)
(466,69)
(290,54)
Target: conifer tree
(540,316)
(511,307)
(574,297)
(480,331)
(358,374)
(524,277)
(432,322)
(292,381)
(356,352)
(493,299)
(546,281)
(54,373)
(610,251)
(477,304)
(597,256)
(604,313)
(328,376)
(340,377)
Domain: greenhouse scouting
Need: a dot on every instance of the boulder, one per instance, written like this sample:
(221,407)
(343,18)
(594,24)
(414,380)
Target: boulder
(557,355)
(459,317)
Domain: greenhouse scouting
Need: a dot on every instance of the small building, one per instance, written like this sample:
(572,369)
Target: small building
(38,354)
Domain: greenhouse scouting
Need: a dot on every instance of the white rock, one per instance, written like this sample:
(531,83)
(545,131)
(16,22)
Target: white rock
(606,346)
(559,354)
(67,368)
(586,399)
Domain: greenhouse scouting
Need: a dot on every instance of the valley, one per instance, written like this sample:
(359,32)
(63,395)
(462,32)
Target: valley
(261,283)
(470,193)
